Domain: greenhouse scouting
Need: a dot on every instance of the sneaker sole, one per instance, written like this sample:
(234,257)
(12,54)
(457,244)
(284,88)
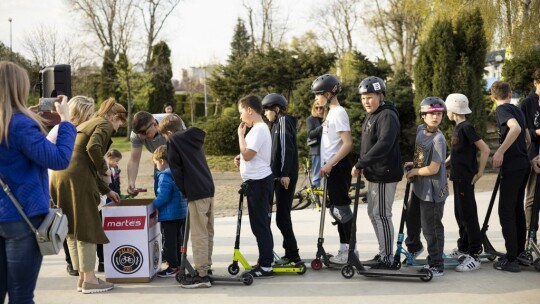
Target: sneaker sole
(89,291)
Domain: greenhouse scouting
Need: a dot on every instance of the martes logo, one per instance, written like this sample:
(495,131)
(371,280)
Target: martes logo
(127,259)
(124,223)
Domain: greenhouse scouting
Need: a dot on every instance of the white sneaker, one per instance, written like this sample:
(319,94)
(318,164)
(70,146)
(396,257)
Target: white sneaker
(340,258)
(456,254)
(469,264)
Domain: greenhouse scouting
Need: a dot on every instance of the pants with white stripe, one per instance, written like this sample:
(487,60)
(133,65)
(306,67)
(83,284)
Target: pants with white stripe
(380,199)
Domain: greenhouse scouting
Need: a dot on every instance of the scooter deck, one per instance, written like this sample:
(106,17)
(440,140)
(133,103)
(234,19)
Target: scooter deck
(393,273)
(245,278)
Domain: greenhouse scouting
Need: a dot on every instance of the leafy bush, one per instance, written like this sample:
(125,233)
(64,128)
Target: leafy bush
(221,135)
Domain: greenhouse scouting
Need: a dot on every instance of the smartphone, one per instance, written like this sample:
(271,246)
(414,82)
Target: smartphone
(137,190)
(46,104)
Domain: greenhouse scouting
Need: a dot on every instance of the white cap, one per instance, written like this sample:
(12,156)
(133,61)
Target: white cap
(457,103)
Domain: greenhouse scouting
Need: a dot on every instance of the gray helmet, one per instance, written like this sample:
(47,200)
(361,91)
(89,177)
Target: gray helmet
(326,83)
(372,84)
(274,99)
(432,105)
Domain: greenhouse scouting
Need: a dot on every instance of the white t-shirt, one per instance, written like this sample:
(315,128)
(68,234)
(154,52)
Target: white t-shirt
(259,140)
(336,121)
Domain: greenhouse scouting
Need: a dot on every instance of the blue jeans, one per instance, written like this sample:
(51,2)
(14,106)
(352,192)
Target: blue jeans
(316,168)
(20,261)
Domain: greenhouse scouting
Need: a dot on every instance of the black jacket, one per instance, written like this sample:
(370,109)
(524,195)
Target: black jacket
(188,164)
(380,156)
(313,132)
(284,148)
(530,108)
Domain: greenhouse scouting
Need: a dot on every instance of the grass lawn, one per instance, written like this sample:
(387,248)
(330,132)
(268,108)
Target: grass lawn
(215,162)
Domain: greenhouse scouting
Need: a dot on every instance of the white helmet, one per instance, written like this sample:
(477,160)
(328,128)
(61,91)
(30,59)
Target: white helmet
(458,103)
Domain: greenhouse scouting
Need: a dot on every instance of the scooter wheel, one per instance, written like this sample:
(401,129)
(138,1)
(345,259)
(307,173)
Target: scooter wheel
(233,269)
(428,275)
(248,278)
(316,264)
(303,269)
(537,264)
(347,271)
(491,258)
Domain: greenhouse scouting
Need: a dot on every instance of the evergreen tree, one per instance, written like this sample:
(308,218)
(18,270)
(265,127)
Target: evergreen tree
(109,77)
(161,75)
(443,56)
(240,45)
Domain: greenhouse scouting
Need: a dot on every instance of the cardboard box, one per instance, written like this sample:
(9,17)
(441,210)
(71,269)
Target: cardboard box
(134,251)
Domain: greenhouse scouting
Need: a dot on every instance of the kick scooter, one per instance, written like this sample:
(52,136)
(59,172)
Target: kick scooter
(524,258)
(531,246)
(187,272)
(238,257)
(354,263)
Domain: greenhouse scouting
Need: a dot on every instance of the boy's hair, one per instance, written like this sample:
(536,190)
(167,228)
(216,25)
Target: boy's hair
(172,123)
(113,153)
(500,90)
(160,153)
(141,120)
(253,102)
(536,75)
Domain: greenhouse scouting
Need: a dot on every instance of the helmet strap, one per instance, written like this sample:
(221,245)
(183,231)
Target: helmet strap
(430,129)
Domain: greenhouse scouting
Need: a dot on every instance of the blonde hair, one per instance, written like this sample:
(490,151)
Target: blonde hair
(110,108)
(81,108)
(172,123)
(314,112)
(160,153)
(14,90)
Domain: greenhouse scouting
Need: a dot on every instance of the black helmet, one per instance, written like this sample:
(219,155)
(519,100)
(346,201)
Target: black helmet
(326,83)
(274,99)
(372,84)
(431,105)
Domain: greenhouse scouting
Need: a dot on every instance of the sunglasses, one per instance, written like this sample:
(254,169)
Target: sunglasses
(319,108)
(143,132)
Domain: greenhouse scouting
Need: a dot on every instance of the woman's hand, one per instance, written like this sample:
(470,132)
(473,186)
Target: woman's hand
(62,108)
(113,196)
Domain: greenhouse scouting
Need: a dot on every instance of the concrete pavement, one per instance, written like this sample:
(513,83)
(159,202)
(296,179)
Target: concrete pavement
(324,286)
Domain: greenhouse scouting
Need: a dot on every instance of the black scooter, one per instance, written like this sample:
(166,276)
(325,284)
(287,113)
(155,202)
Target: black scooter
(353,262)
(187,272)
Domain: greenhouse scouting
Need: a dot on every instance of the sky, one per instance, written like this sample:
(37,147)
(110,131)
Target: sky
(198,32)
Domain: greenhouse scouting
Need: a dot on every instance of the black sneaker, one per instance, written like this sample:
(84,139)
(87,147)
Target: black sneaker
(196,282)
(259,273)
(505,265)
(381,265)
(71,271)
(375,259)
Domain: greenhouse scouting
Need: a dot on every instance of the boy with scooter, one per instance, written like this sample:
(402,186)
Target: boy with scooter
(380,161)
(465,172)
(513,160)
(284,164)
(430,188)
(193,177)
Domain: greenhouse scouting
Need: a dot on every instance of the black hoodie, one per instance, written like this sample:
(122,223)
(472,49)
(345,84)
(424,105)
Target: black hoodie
(284,147)
(188,164)
(380,156)
(529,106)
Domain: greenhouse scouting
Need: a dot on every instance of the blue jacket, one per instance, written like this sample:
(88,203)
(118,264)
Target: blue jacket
(169,200)
(24,160)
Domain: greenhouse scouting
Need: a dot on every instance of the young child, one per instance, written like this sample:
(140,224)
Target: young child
(284,166)
(193,177)
(430,188)
(172,209)
(511,157)
(114,157)
(254,161)
(465,171)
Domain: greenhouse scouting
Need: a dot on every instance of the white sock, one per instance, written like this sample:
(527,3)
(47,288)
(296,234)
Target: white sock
(343,247)
(266,268)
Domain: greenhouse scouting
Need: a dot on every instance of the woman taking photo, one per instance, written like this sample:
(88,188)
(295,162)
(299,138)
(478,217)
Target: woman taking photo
(25,155)
(77,191)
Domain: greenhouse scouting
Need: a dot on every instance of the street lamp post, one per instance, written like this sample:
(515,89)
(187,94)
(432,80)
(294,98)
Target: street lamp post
(10,40)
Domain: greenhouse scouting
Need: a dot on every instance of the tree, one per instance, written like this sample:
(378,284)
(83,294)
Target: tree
(518,71)
(161,75)
(397,27)
(154,14)
(340,20)
(109,79)
(240,45)
(262,21)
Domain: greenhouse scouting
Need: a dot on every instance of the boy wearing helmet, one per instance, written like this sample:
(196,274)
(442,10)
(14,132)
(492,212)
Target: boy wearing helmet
(380,161)
(430,188)
(465,171)
(284,164)
(511,157)
(336,144)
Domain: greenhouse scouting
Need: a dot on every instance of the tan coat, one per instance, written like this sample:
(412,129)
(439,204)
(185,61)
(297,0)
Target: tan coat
(77,189)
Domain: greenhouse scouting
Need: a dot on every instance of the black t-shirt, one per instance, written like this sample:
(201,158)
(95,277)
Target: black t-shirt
(515,158)
(463,152)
